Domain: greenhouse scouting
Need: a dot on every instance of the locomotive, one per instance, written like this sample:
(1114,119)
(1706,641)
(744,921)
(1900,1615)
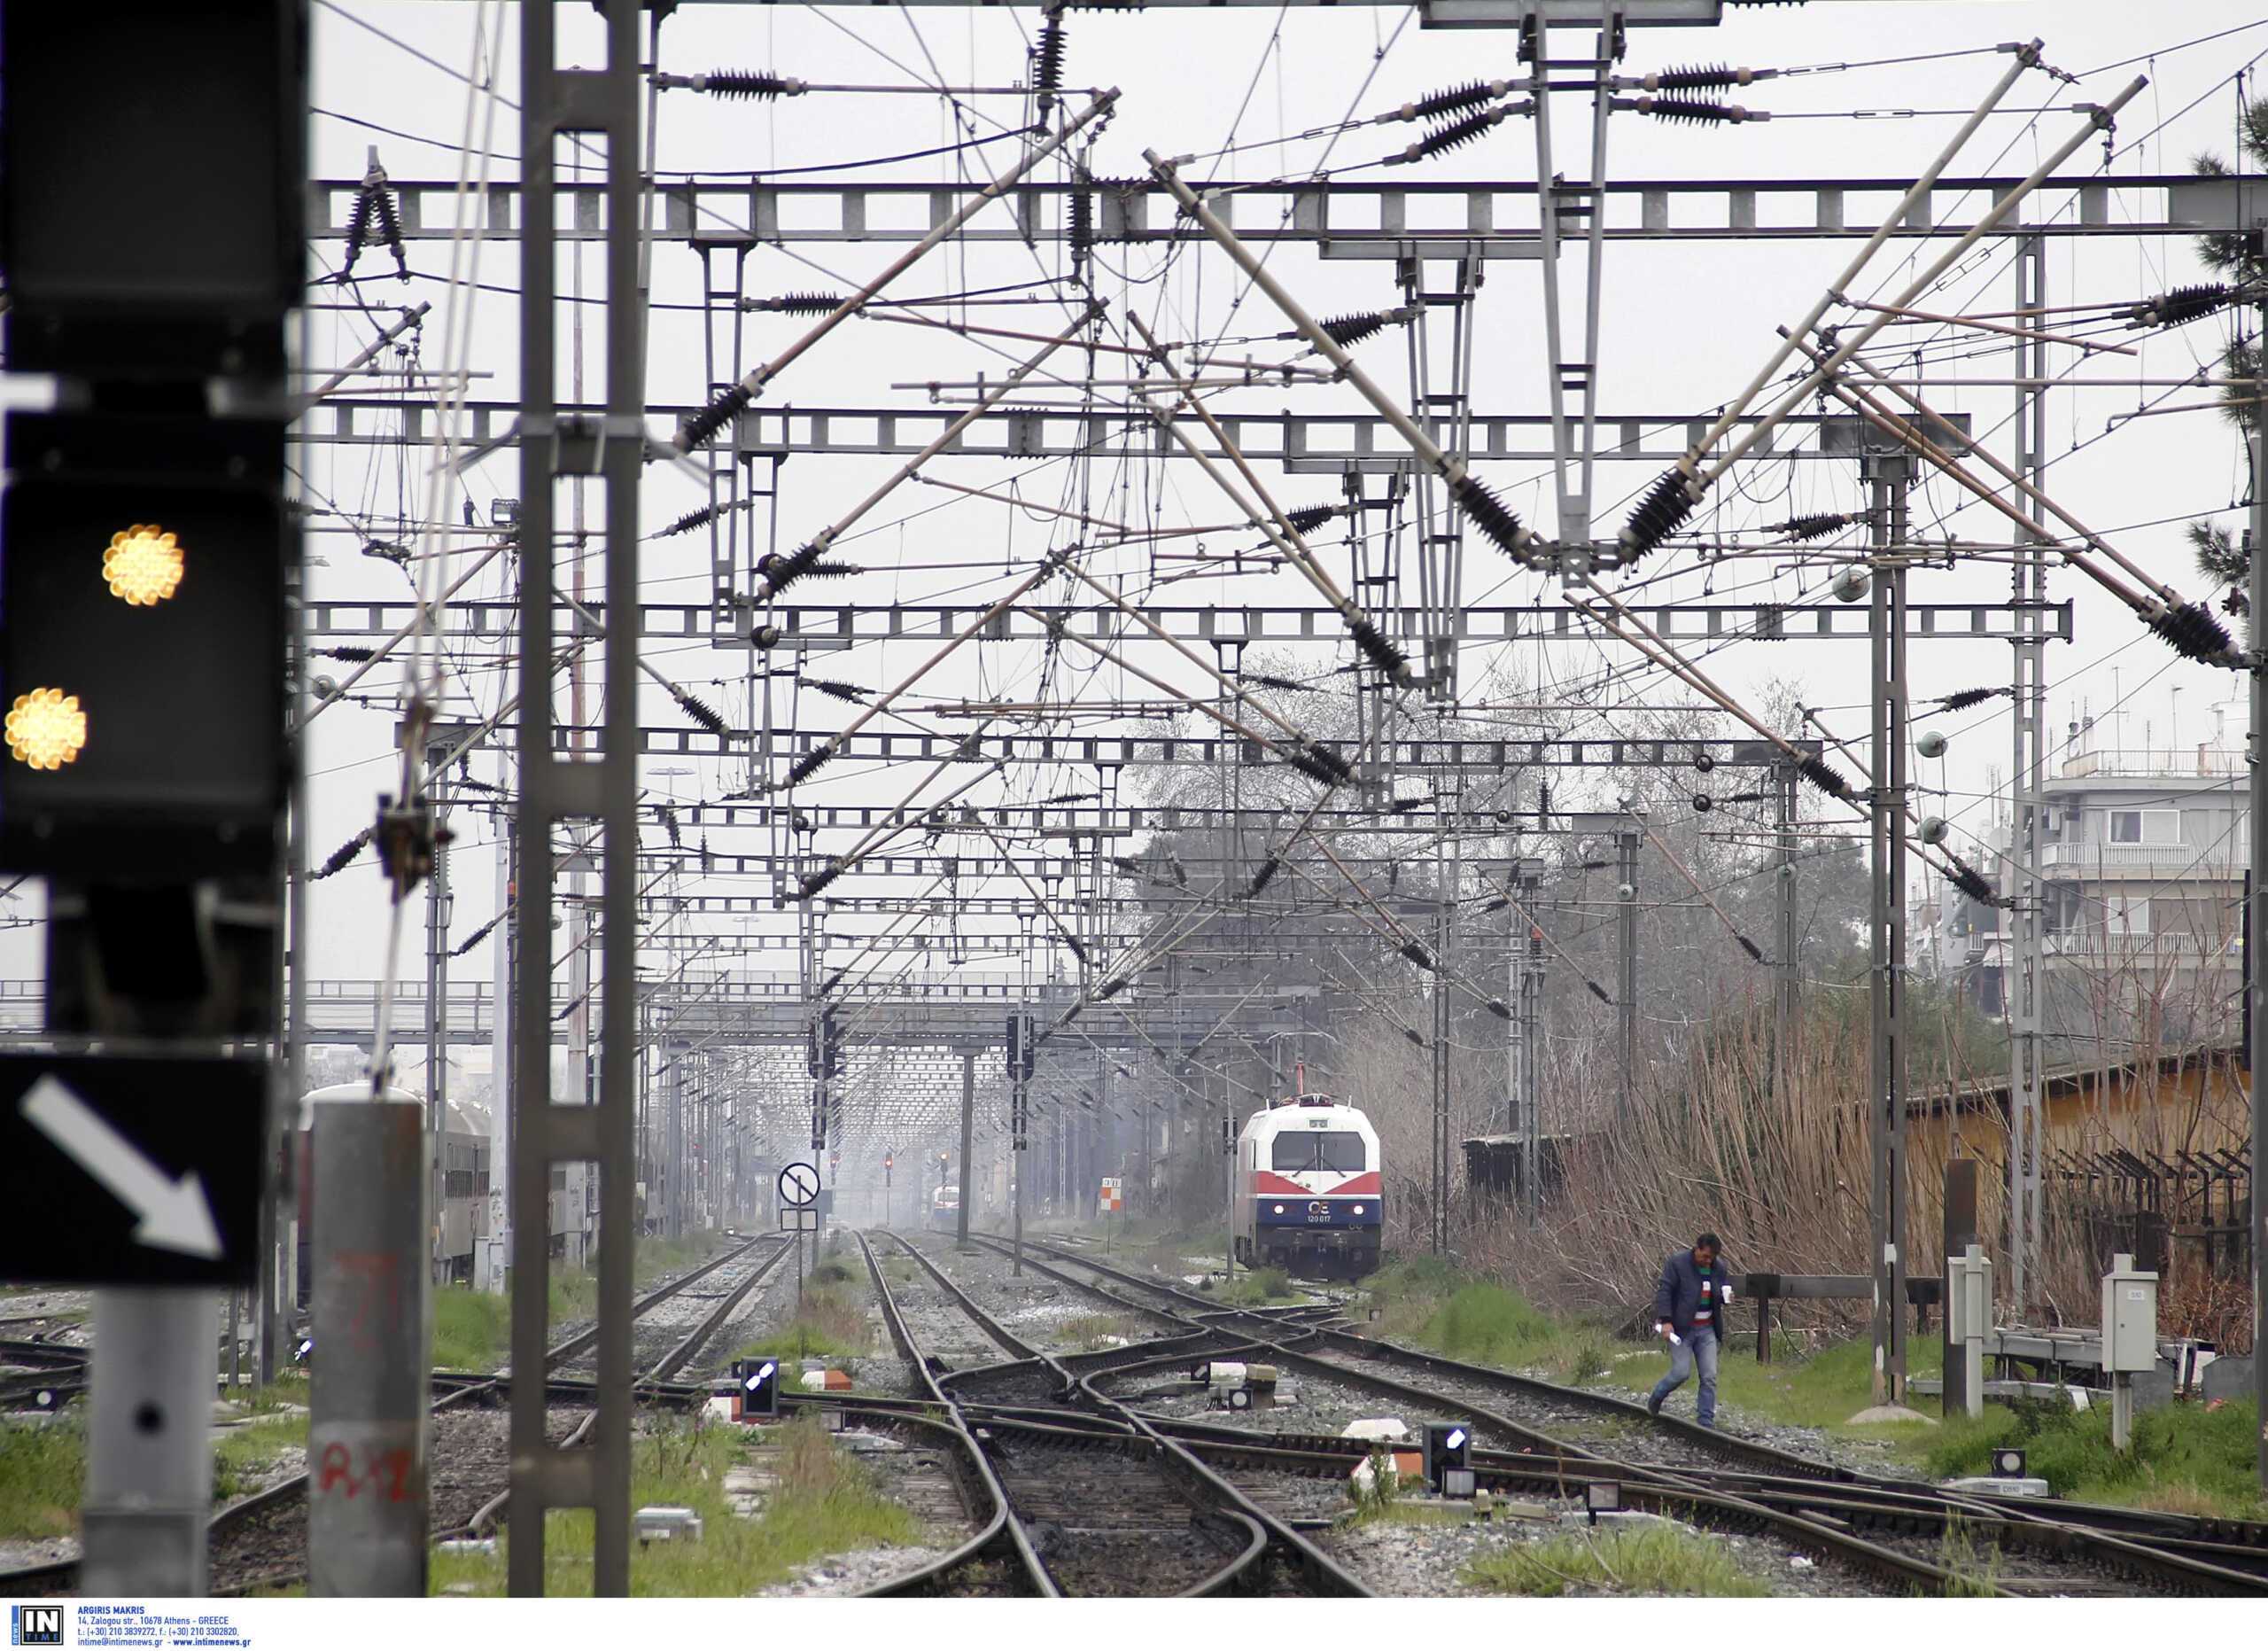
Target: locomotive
(944,1209)
(1308,1185)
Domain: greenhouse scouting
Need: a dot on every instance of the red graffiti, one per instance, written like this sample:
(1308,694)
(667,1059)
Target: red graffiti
(386,1471)
(369,1286)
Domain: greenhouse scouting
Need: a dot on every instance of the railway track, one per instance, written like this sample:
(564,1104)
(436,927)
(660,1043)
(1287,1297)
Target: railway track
(1078,1509)
(259,1541)
(1886,1528)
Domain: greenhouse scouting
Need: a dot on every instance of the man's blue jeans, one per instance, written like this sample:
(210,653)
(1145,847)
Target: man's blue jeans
(1700,1346)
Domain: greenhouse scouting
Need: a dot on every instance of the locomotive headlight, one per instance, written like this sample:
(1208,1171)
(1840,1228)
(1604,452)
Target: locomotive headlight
(1279,1209)
(1358,1209)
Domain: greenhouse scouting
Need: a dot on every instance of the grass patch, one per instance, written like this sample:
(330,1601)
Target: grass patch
(826,1503)
(828,1324)
(1255,1288)
(2183,1459)
(472,1329)
(1658,1559)
(42,1472)
(242,1456)
(1090,1330)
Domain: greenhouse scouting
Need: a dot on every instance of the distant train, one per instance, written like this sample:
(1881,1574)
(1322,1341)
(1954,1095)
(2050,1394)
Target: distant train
(1308,1185)
(944,1209)
(465,1181)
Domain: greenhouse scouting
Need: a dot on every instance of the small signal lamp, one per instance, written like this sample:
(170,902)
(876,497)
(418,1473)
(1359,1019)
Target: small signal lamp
(46,729)
(142,566)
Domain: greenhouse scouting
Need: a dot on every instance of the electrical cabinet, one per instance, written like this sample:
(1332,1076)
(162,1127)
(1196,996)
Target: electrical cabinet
(2130,1318)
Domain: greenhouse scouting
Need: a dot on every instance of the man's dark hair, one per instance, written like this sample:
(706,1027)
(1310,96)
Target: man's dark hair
(1707,1240)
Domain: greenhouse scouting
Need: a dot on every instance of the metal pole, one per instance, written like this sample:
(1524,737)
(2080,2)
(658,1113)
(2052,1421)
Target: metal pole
(2256,1055)
(499,1244)
(1441,1041)
(149,1452)
(543,1477)
(1626,1005)
(1531,1010)
(1888,475)
(968,1133)
(437,1046)
(1787,976)
(2027,776)
(1019,1101)
(367,1429)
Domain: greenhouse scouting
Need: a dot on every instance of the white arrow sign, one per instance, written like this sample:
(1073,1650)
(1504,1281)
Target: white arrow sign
(174,1214)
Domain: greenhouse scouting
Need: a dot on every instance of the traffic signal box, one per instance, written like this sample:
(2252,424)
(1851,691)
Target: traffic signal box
(756,1384)
(152,229)
(1448,1449)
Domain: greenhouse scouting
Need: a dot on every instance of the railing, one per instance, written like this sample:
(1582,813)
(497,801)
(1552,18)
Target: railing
(2221,860)
(2183,763)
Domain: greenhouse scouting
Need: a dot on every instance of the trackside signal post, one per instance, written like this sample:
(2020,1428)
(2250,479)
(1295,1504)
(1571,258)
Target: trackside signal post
(1021,1058)
(154,244)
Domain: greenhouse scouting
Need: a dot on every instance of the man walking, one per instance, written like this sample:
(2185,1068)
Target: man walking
(1694,1290)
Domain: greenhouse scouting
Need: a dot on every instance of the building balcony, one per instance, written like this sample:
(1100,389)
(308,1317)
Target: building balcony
(2221,861)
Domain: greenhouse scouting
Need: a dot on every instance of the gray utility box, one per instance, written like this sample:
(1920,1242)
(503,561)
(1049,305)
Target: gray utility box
(2130,1318)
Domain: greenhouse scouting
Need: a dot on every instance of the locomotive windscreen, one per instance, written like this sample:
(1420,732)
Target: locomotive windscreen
(1338,1149)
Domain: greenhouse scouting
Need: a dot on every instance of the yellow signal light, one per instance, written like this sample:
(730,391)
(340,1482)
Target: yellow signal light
(46,729)
(143,565)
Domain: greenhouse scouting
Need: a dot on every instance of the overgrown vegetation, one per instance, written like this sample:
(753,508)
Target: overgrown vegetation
(1974,1574)
(826,1503)
(42,1470)
(1427,1301)
(1656,1559)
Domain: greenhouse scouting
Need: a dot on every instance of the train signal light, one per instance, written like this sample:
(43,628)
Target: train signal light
(142,562)
(758,1381)
(1448,1447)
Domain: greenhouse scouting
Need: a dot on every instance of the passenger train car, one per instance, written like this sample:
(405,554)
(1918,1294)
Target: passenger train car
(1309,1181)
(465,1181)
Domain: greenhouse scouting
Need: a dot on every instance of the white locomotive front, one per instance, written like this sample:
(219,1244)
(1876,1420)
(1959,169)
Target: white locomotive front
(1309,1182)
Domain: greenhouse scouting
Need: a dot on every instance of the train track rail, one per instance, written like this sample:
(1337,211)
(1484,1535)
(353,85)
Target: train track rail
(274,1520)
(1094,1510)
(1886,1527)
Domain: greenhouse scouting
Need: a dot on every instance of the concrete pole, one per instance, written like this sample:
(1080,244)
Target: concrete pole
(968,1130)
(149,1449)
(366,1430)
